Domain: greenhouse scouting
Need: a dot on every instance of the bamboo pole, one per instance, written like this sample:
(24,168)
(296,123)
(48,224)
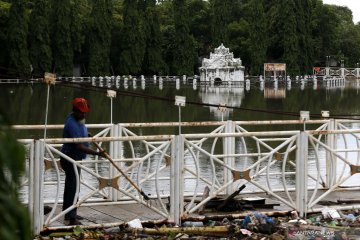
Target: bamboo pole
(212,230)
(220,217)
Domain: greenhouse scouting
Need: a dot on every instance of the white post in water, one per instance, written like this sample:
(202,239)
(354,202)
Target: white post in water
(288,85)
(194,82)
(342,69)
(180,102)
(108,81)
(101,83)
(327,69)
(117,82)
(143,82)
(247,85)
(177,83)
(126,86)
(111,94)
(276,84)
(184,79)
(160,83)
(134,83)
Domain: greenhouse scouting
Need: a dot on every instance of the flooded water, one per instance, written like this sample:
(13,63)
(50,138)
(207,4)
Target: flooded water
(26,103)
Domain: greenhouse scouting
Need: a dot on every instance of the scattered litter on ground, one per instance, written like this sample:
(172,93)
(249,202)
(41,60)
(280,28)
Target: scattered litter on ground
(328,224)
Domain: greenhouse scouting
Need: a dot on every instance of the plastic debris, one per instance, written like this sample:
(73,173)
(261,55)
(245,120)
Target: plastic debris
(333,223)
(135,223)
(330,213)
(298,221)
(192,224)
(245,232)
(258,222)
(294,215)
(348,217)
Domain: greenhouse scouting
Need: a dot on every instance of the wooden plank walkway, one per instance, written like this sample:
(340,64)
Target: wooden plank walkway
(126,212)
(112,213)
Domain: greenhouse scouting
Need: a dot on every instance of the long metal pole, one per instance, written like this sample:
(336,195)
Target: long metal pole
(111,110)
(179,120)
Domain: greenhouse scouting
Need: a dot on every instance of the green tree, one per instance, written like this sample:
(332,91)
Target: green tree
(167,28)
(221,18)
(305,42)
(153,62)
(199,27)
(80,11)
(4,54)
(184,57)
(116,34)
(239,43)
(325,32)
(39,38)
(62,47)
(17,39)
(290,37)
(256,18)
(348,36)
(283,35)
(99,38)
(15,222)
(133,39)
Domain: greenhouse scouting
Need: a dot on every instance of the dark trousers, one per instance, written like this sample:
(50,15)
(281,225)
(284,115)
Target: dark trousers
(70,186)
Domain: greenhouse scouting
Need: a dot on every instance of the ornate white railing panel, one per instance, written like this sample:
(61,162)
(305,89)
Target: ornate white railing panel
(340,145)
(289,165)
(226,172)
(100,181)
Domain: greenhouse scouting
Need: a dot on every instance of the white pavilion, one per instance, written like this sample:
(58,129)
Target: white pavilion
(222,67)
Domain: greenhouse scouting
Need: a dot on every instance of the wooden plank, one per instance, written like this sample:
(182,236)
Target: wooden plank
(230,198)
(205,195)
(348,201)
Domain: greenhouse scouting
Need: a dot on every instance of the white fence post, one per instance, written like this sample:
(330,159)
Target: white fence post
(330,158)
(229,149)
(118,154)
(177,179)
(114,150)
(36,182)
(301,173)
(31,177)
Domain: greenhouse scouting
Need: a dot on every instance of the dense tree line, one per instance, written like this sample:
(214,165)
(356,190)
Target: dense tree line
(111,37)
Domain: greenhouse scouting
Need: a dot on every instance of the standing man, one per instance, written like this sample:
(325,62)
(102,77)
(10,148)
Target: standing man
(74,128)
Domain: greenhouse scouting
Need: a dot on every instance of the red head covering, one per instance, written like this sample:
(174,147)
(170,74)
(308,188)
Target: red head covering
(81,104)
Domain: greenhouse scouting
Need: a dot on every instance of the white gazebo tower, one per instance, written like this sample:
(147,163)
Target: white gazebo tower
(222,67)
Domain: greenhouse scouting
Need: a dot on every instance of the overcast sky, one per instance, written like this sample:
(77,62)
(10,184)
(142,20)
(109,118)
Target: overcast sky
(354,5)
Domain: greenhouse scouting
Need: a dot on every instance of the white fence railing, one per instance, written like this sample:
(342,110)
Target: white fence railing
(336,71)
(291,161)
